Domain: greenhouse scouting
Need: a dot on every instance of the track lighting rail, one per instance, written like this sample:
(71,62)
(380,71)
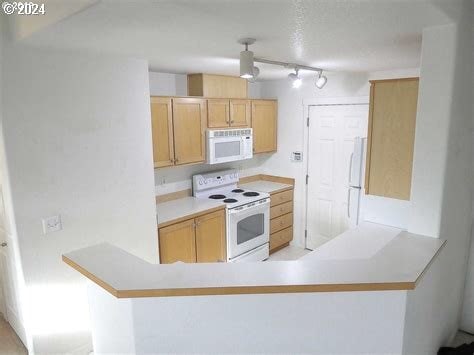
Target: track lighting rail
(287,65)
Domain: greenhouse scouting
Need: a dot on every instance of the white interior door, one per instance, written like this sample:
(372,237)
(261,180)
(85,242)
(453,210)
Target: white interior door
(331,133)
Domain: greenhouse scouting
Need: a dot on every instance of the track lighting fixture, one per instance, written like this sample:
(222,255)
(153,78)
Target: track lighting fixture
(246,59)
(321,80)
(250,72)
(255,71)
(295,79)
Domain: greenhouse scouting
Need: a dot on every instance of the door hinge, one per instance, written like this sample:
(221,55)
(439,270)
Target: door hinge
(307,178)
(305,234)
(307,121)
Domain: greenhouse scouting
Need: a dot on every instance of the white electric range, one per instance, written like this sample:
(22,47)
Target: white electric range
(247,214)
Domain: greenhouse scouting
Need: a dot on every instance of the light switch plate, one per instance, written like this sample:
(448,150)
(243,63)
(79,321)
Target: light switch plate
(52,224)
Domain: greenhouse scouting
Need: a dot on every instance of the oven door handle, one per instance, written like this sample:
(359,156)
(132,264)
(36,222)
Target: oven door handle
(250,206)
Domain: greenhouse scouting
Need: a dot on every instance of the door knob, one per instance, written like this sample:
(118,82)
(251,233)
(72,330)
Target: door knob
(4,244)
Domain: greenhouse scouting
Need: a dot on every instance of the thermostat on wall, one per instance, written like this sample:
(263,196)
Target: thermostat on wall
(297,156)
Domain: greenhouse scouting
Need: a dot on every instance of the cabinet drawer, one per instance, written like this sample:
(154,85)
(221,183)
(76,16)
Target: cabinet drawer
(281,237)
(281,197)
(279,210)
(281,222)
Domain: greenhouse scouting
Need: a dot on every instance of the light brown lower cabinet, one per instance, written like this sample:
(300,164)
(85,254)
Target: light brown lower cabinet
(281,220)
(201,239)
(177,243)
(210,238)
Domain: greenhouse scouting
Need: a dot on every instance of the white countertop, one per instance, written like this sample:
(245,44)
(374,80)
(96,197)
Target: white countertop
(370,258)
(363,242)
(184,207)
(189,206)
(265,186)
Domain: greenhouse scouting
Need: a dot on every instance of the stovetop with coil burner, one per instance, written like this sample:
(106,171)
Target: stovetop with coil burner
(222,186)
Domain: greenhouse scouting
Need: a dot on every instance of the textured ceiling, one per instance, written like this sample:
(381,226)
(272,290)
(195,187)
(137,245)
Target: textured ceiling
(201,36)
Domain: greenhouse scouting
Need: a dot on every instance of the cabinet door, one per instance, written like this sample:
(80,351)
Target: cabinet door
(162,131)
(217,113)
(177,243)
(189,122)
(240,113)
(210,238)
(391,137)
(264,124)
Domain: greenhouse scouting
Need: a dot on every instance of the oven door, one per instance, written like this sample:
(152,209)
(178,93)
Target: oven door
(248,227)
(225,149)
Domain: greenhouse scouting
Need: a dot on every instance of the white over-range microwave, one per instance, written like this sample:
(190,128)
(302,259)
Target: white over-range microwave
(226,145)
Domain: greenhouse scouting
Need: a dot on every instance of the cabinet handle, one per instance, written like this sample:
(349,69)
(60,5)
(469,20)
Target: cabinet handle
(176,160)
(232,121)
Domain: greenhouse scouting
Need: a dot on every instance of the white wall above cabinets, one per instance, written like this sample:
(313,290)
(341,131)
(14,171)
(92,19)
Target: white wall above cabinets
(165,84)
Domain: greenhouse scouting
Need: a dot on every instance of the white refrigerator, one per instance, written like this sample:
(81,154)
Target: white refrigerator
(356,167)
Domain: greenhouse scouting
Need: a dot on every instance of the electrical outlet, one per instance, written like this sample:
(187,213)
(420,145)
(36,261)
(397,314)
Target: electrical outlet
(52,224)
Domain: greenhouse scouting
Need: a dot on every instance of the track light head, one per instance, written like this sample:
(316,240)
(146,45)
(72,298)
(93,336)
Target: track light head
(321,80)
(253,79)
(295,79)
(246,59)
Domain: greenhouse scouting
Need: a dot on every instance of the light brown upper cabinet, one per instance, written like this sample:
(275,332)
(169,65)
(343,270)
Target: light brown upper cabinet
(391,137)
(178,130)
(217,86)
(240,113)
(264,124)
(189,122)
(223,113)
(218,113)
(162,131)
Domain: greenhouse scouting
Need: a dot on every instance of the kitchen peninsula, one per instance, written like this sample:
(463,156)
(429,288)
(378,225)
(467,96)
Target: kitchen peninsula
(383,265)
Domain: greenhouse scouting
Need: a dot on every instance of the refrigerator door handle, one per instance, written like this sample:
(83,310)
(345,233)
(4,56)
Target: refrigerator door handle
(350,168)
(349,203)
